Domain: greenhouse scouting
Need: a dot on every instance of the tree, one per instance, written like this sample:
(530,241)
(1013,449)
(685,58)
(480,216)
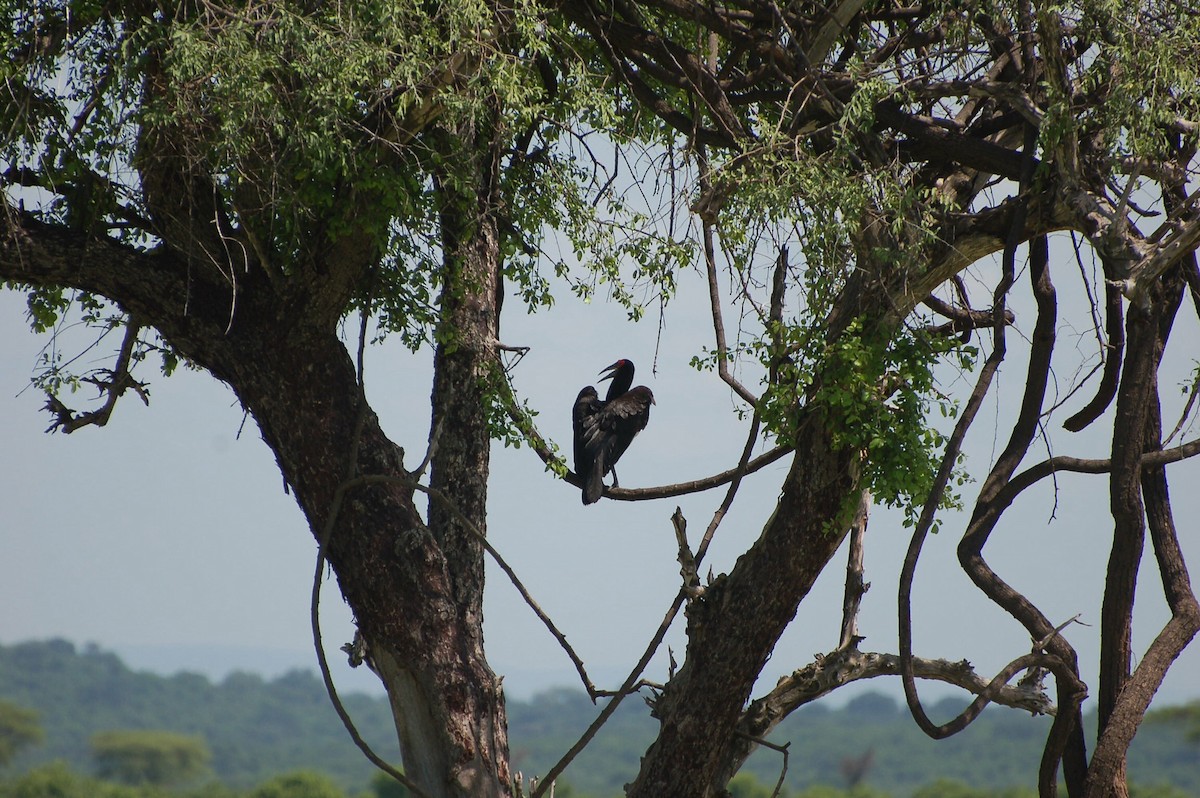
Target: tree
(225,184)
(1186,716)
(298,785)
(19,728)
(149,757)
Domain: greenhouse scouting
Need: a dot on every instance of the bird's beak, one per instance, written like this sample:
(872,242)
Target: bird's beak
(610,371)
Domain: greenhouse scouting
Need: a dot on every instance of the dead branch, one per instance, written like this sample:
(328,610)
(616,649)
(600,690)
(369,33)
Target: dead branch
(962,320)
(714,294)
(855,587)
(828,672)
(117,381)
(687,560)
(696,485)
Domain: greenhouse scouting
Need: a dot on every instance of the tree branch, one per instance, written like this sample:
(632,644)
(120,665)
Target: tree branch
(119,380)
(855,587)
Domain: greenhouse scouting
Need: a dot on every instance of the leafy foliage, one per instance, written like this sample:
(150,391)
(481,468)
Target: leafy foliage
(149,757)
(258,729)
(1185,717)
(19,729)
(301,784)
(285,141)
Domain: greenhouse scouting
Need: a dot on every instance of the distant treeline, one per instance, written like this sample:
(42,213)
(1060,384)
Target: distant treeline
(257,729)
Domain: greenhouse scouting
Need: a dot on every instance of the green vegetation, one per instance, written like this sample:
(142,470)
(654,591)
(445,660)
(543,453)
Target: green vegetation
(255,729)
(56,780)
(280,739)
(149,757)
(19,728)
(228,185)
(1185,716)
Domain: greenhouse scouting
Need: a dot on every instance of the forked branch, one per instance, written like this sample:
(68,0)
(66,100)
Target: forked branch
(111,383)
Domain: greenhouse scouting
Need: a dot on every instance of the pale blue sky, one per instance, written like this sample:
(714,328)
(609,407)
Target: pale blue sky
(167,537)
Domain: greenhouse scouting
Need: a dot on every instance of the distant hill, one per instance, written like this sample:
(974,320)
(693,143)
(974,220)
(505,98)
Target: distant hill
(258,728)
(255,728)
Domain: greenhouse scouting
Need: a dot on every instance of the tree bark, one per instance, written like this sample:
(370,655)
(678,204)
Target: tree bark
(294,375)
(734,626)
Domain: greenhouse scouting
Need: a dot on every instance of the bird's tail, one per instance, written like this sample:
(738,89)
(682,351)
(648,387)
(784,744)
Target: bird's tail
(593,489)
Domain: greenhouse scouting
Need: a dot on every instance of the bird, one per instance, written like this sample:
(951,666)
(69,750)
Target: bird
(603,429)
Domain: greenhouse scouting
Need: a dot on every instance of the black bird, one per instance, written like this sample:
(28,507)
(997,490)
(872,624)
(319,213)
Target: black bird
(604,429)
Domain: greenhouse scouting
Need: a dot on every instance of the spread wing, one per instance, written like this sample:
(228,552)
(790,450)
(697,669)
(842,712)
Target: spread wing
(614,427)
(603,431)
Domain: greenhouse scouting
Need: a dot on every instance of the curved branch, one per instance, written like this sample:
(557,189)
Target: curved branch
(1114,330)
(696,485)
(1083,465)
(315,603)
(953,448)
(714,295)
(847,664)
(1135,696)
(119,379)
(627,687)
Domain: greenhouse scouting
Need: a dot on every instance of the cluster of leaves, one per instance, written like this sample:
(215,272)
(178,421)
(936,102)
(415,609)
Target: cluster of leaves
(1149,74)
(881,392)
(323,117)
(144,756)
(67,130)
(19,729)
(878,393)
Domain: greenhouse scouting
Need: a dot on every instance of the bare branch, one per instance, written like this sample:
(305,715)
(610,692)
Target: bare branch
(696,485)
(963,320)
(119,379)
(626,688)
(714,294)
(855,586)
(474,531)
(687,560)
(842,666)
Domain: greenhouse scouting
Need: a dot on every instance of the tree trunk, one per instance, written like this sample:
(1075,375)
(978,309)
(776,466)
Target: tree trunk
(734,626)
(293,374)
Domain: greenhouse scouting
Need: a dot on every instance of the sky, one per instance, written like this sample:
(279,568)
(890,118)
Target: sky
(167,536)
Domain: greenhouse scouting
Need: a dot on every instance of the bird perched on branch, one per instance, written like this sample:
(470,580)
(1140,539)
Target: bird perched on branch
(604,429)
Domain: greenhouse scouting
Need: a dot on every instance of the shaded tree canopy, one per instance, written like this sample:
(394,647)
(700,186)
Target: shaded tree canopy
(866,186)
(149,756)
(19,729)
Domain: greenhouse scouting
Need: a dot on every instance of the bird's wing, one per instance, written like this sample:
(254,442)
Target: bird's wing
(583,420)
(631,410)
(608,432)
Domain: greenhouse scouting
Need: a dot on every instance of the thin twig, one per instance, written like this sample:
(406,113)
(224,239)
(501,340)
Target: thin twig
(742,469)
(475,532)
(626,688)
(783,749)
(120,379)
(714,294)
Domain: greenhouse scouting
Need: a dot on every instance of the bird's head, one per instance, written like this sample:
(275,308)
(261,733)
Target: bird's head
(611,371)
